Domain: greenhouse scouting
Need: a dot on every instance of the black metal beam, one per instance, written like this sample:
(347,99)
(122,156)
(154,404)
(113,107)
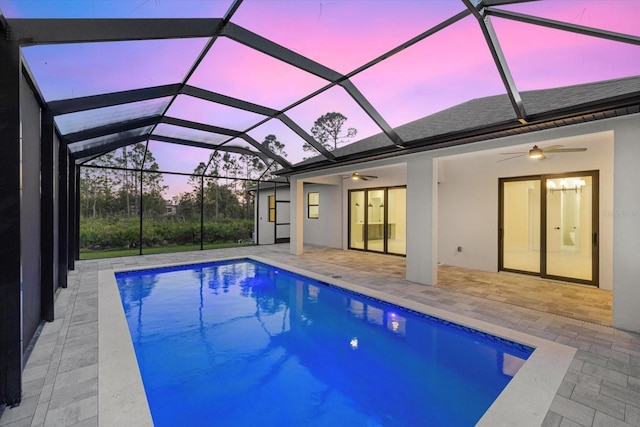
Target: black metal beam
(48,282)
(266,46)
(283,162)
(71,214)
(222,131)
(304,135)
(111,129)
(565,26)
(73,105)
(101,148)
(76,215)
(10,259)
(29,32)
(63,216)
(499,59)
(372,112)
(229,148)
(197,92)
(200,126)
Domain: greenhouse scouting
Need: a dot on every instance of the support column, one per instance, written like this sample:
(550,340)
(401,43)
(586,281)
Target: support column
(63,217)
(47,187)
(71,214)
(76,215)
(420,209)
(296,206)
(626,228)
(10,193)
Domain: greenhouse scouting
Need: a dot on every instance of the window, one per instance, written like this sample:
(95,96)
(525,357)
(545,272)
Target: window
(313,205)
(272,208)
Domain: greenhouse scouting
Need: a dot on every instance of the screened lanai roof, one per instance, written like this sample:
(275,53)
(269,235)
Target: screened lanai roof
(195,77)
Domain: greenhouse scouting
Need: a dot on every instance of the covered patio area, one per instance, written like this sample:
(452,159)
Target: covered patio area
(602,386)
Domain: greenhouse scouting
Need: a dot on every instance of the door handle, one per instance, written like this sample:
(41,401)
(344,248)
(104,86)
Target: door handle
(595,239)
(556,228)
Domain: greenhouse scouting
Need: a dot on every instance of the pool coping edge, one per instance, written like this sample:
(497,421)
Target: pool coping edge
(121,396)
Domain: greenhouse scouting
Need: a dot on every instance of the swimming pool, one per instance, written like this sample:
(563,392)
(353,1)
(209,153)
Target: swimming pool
(240,343)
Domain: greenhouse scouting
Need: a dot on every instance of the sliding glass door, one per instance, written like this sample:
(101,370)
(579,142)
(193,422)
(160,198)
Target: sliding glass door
(571,239)
(521,225)
(377,220)
(547,226)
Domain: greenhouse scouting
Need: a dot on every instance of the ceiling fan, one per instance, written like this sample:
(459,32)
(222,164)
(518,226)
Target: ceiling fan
(358,176)
(538,153)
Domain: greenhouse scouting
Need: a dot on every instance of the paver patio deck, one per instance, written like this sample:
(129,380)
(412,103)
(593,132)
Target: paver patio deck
(601,388)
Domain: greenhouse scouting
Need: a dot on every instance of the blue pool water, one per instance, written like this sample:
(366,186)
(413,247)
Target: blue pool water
(241,343)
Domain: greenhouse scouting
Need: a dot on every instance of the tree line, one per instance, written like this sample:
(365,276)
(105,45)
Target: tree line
(118,186)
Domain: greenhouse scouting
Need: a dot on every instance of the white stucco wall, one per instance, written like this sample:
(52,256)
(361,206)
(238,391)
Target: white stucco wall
(626,225)
(264,230)
(326,230)
(468,199)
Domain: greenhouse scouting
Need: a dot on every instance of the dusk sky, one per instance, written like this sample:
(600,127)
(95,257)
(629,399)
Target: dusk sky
(451,67)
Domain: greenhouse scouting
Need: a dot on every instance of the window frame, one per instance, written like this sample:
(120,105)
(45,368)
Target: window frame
(271,204)
(310,205)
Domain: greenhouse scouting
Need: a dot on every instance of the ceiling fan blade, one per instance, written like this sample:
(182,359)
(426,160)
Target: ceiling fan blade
(518,152)
(371,176)
(551,148)
(364,178)
(514,157)
(565,150)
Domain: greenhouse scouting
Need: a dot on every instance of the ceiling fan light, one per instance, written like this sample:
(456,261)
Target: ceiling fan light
(536,153)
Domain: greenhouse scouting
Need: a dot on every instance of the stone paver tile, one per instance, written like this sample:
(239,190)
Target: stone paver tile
(573,410)
(26,409)
(90,357)
(587,356)
(35,373)
(587,381)
(626,368)
(25,422)
(551,420)
(610,375)
(597,401)
(91,422)
(610,353)
(67,395)
(76,376)
(566,422)
(72,414)
(623,394)
(604,420)
(566,388)
(632,415)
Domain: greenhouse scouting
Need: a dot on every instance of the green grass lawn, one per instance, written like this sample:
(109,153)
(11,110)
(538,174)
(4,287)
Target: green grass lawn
(112,253)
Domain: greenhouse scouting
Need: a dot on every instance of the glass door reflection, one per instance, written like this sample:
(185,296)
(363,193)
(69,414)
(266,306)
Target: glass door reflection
(375,223)
(521,225)
(569,226)
(377,220)
(356,219)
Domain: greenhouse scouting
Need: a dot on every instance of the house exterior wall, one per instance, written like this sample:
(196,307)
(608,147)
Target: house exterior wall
(626,224)
(326,230)
(265,231)
(463,209)
(468,199)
